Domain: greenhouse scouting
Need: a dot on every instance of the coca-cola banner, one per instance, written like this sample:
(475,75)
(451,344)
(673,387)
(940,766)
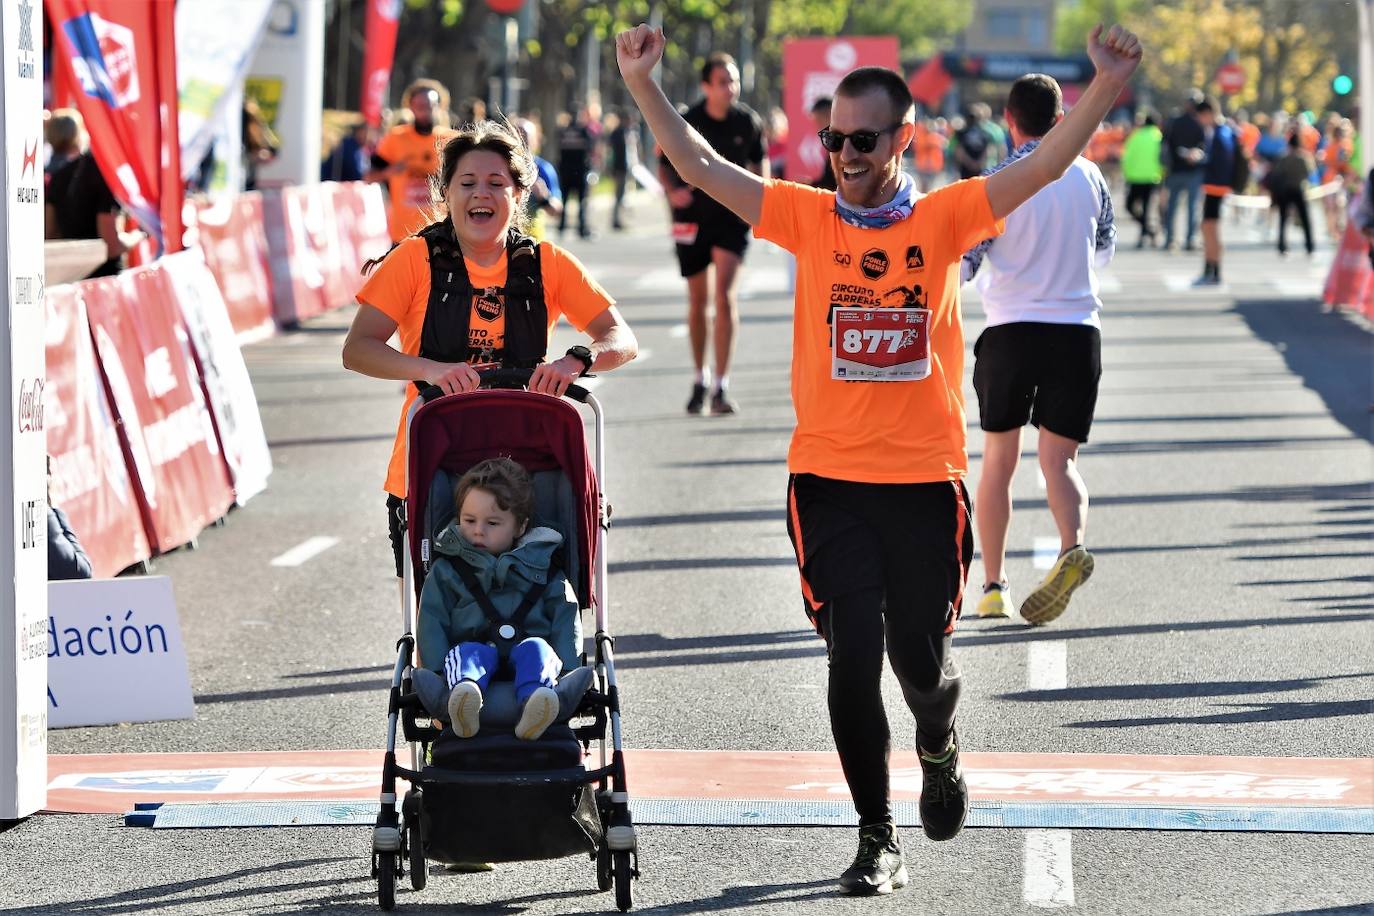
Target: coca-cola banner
(169,436)
(122,55)
(231,235)
(230,390)
(89,480)
(379,48)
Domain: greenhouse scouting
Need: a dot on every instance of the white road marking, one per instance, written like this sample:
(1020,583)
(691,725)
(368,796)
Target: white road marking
(1047,665)
(1297,287)
(669,277)
(1108,284)
(1047,869)
(1044,551)
(1179,283)
(678,331)
(305,551)
(1039,478)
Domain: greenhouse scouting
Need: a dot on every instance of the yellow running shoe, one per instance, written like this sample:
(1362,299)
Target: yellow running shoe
(995,601)
(1051,597)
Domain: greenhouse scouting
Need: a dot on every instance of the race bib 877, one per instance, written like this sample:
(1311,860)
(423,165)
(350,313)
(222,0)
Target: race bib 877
(880,345)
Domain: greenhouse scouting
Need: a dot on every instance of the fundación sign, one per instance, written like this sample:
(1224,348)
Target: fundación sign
(115,653)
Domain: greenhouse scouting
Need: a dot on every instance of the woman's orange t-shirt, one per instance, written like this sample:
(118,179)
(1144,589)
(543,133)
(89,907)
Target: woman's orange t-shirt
(399,288)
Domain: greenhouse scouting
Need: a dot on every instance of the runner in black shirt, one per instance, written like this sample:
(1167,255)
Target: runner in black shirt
(576,156)
(707,233)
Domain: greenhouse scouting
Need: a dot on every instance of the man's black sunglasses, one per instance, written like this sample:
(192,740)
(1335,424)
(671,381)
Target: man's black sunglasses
(865,141)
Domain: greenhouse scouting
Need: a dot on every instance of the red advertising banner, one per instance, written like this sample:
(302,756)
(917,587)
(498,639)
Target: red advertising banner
(89,479)
(169,436)
(1351,282)
(811,68)
(379,43)
(122,56)
(230,233)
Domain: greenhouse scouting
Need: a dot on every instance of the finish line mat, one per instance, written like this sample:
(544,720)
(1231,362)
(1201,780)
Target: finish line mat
(679,812)
(782,787)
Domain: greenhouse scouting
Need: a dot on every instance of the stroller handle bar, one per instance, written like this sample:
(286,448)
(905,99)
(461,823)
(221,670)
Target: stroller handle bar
(500,378)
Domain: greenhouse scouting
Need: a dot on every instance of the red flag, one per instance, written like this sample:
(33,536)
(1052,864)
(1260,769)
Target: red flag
(121,57)
(930,83)
(379,40)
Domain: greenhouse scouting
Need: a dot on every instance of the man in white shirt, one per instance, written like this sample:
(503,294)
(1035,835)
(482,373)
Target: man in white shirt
(1039,358)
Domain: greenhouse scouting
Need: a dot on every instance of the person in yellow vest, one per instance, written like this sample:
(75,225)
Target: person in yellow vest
(407,157)
(1143,173)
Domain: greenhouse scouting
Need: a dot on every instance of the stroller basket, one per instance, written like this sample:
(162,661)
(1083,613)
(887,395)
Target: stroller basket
(510,817)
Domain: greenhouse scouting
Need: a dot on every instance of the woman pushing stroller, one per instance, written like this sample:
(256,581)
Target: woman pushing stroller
(472,290)
(495,573)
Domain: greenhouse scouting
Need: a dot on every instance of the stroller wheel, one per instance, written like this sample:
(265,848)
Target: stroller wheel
(624,874)
(386,880)
(604,875)
(415,842)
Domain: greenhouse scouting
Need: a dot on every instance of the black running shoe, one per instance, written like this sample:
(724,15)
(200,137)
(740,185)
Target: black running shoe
(944,794)
(878,868)
(698,401)
(721,403)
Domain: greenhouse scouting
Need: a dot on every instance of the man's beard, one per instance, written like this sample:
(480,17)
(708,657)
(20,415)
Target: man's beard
(424,128)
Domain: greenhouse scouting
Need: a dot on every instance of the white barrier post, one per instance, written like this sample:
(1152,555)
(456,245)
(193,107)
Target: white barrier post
(23,541)
(287,74)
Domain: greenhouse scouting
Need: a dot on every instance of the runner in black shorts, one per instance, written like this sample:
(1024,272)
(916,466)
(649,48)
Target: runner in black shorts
(707,233)
(1040,357)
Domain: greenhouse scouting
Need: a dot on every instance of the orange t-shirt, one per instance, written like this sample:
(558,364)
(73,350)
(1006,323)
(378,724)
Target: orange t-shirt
(878,432)
(1336,160)
(410,192)
(399,288)
(930,150)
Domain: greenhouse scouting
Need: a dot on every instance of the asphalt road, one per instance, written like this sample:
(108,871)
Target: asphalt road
(1230,614)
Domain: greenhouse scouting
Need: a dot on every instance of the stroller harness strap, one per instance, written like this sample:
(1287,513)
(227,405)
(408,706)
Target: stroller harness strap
(452,299)
(505,632)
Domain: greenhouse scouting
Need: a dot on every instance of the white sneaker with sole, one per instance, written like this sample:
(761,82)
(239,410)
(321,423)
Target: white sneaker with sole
(465,709)
(540,711)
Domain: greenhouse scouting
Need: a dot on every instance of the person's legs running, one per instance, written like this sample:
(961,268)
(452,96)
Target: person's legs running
(726,324)
(1211,239)
(1064,487)
(842,586)
(1001,454)
(1173,186)
(1282,203)
(1147,208)
(927,545)
(698,296)
(1194,192)
(1071,369)
(618,211)
(1004,379)
(1305,218)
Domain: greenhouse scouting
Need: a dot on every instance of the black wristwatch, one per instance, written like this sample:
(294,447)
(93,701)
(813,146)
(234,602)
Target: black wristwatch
(585,355)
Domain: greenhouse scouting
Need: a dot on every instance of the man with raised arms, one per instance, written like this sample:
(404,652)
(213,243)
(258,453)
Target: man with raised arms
(877,508)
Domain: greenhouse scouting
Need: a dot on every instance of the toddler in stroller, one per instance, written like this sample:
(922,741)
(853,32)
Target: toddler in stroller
(543,784)
(495,602)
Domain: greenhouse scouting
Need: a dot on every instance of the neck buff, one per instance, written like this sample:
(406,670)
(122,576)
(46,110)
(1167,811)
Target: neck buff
(894,211)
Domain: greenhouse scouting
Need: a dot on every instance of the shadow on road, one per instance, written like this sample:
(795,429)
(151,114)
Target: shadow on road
(1173,691)
(1329,352)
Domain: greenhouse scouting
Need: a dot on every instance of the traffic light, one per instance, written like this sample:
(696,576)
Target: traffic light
(1342,84)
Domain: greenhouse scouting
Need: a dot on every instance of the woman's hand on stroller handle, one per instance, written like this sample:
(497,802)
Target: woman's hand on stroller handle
(515,378)
(556,377)
(451,378)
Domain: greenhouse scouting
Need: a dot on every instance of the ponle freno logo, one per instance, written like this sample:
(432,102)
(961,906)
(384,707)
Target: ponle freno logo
(31,405)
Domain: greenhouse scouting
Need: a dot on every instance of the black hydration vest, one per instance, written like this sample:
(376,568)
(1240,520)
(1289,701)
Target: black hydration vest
(444,336)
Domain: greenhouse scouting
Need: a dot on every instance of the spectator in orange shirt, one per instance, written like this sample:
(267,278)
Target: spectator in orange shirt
(407,157)
(930,155)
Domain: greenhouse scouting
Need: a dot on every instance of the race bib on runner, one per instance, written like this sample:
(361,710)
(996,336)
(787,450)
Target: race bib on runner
(880,345)
(685,233)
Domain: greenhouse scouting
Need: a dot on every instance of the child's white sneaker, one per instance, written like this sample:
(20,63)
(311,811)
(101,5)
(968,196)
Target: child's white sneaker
(541,709)
(465,709)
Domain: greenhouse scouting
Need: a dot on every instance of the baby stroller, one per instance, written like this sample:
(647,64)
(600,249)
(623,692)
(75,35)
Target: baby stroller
(493,797)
